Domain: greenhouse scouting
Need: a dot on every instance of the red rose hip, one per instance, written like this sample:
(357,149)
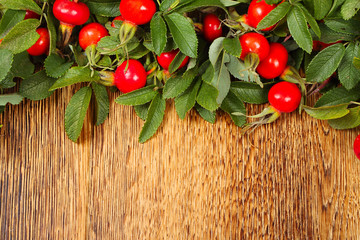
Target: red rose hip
(212,27)
(42,44)
(356,146)
(284,97)
(71,12)
(91,34)
(166,58)
(257,11)
(274,64)
(132,79)
(137,12)
(254,43)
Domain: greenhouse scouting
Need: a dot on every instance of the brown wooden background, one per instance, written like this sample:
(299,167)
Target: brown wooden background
(294,179)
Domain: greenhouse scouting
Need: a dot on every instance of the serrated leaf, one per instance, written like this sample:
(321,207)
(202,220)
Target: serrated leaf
(327,112)
(183,33)
(330,36)
(36,87)
(190,5)
(176,62)
(186,101)
(232,103)
(350,120)
(22,66)
(251,92)
(55,66)
(8,81)
(221,80)
(50,22)
(215,50)
(22,36)
(76,111)
(348,73)
(104,8)
(206,114)
(158,33)
(350,26)
(338,96)
(142,110)
(12,98)
(274,16)
(356,62)
(6,59)
(177,85)
(325,63)
(321,8)
(232,46)
(238,69)
(21,5)
(298,28)
(102,103)
(75,75)
(207,96)
(9,20)
(350,8)
(137,97)
(105,61)
(154,118)
(311,20)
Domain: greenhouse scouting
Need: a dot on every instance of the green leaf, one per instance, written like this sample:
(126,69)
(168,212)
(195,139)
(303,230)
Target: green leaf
(325,63)
(105,8)
(102,102)
(158,33)
(351,120)
(207,96)
(7,82)
(215,50)
(311,20)
(50,20)
(348,73)
(238,69)
(338,96)
(166,4)
(55,66)
(9,20)
(186,101)
(232,103)
(190,5)
(275,15)
(330,36)
(76,111)
(232,46)
(75,75)
(109,45)
(176,62)
(206,114)
(350,8)
(327,112)
(21,5)
(36,87)
(137,97)
(251,92)
(12,98)
(177,85)
(356,62)
(298,28)
(183,33)
(154,118)
(22,66)
(22,36)
(321,8)
(6,59)
(350,26)
(142,110)
(105,61)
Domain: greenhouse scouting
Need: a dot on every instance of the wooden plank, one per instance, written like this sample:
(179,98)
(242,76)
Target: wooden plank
(294,179)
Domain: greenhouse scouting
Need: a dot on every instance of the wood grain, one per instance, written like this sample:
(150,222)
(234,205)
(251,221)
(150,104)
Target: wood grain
(294,179)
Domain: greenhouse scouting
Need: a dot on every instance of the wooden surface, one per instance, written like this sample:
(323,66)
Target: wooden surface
(294,179)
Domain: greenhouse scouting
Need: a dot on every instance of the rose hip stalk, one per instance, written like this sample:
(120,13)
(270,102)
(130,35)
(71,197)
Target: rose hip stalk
(70,14)
(129,76)
(135,12)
